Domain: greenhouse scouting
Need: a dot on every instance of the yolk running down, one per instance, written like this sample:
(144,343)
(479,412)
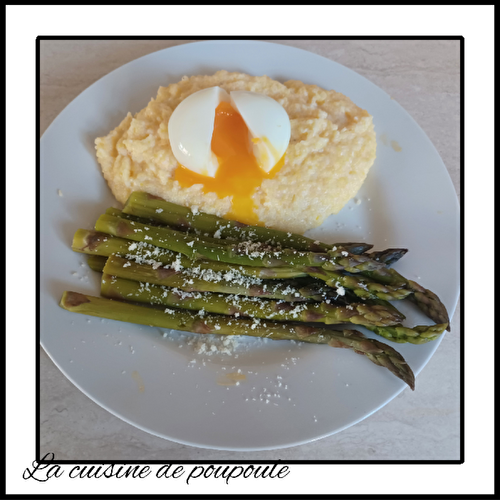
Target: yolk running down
(238,174)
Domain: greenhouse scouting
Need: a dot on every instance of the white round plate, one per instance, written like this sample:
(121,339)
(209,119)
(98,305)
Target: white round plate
(293,393)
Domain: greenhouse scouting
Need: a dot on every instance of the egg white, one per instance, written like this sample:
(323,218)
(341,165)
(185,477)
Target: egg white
(268,124)
(191,127)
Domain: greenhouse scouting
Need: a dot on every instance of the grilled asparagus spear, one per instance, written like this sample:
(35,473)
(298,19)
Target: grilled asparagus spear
(377,352)
(200,280)
(242,253)
(97,243)
(253,307)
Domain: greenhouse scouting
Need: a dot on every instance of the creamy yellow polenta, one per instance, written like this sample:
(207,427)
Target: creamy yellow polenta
(332,147)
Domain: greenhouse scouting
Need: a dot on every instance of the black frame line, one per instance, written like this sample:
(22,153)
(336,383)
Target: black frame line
(195,38)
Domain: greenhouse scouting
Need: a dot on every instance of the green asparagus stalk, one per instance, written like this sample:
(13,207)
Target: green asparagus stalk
(426,300)
(242,253)
(416,335)
(116,212)
(153,207)
(197,280)
(386,304)
(94,242)
(377,352)
(361,287)
(150,206)
(253,307)
(389,256)
(354,248)
(429,303)
(96,262)
(194,247)
(295,242)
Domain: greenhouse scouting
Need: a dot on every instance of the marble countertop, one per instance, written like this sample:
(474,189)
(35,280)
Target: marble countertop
(421,75)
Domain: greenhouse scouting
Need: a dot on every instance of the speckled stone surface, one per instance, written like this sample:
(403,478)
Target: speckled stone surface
(422,76)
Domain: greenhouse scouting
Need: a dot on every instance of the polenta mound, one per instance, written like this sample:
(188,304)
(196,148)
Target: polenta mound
(331,150)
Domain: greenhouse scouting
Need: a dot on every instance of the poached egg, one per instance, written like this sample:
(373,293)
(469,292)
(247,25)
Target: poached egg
(229,143)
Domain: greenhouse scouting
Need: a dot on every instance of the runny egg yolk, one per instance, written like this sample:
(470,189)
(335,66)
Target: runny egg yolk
(238,174)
